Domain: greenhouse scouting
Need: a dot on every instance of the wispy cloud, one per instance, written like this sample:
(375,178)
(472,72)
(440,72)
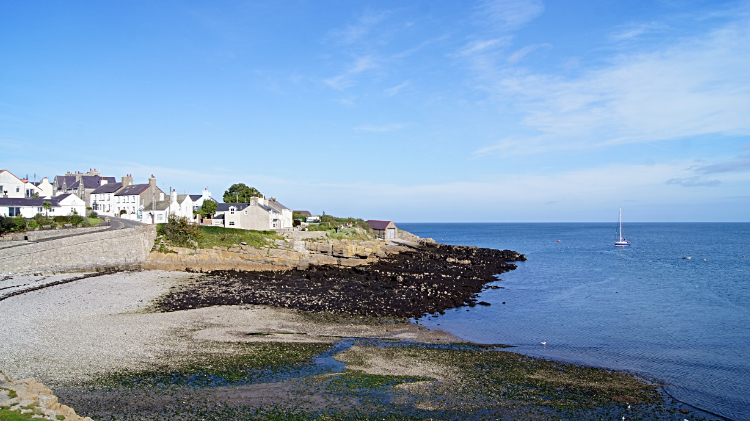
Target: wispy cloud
(396,89)
(523,52)
(346,79)
(740,163)
(695,87)
(481,46)
(380,129)
(509,15)
(695,181)
(355,32)
(635,30)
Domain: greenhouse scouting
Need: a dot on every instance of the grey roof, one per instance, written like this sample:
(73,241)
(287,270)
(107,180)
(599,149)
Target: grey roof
(181,197)
(277,205)
(108,188)
(159,205)
(89,181)
(268,208)
(110,179)
(21,201)
(132,189)
(303,212)
(224,207)
(195,197)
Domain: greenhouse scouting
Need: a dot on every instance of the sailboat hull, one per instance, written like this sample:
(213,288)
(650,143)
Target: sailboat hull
(622,243)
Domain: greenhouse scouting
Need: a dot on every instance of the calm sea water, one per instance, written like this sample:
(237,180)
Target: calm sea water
(644,309)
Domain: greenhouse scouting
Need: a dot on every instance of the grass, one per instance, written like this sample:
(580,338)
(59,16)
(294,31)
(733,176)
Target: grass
(11,393)
(95,221)
(8,415)
(228,237)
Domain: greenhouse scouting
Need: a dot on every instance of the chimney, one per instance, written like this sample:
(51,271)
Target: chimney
(127,181)
(173,196)
(152,181)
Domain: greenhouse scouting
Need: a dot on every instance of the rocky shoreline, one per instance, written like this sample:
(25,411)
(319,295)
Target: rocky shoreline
(428,278)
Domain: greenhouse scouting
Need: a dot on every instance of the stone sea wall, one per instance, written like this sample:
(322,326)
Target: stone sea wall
(280,255)
(122,248)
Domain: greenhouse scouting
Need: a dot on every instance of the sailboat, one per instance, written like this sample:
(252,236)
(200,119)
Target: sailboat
(621,242)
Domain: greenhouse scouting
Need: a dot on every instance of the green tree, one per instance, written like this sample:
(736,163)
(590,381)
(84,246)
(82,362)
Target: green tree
(240,193)
(208,207)
(47,206)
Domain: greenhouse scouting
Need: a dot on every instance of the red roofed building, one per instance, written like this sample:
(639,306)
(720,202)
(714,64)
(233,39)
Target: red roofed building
(384,229)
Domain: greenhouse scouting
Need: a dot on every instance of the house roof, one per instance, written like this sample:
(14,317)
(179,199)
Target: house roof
(277,205)
(380,225)
(21,201)
(18,201)
(181,197)
(107,188)
(195,197)
(89,181)
(133,189)
(159,205)
(224,207)
(303,213)
(2,171)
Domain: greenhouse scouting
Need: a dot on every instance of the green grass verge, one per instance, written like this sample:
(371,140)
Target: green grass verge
(228,237)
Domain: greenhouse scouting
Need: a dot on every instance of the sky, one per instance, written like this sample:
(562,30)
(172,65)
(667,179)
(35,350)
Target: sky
(431,111)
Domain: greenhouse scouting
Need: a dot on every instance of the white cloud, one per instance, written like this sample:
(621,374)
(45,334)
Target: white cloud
(379,129)
(523,52)
(635,30)
(396,89)
(346,79)
(480,46)
(696,87)
(353,33)
(695,181)
(509,15)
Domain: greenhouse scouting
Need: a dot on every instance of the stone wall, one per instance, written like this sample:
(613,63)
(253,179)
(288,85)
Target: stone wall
(281,255)
(49,233)
(122,248)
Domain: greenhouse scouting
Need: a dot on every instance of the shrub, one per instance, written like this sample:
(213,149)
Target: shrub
(62,219)
(93,214)
(7,224)
(180,232)
(123,212)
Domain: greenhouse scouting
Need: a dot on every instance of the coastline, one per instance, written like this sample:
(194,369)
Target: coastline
(76,334)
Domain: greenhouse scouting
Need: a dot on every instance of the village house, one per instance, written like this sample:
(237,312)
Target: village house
(62,205)
(80,184)
(42,188)
(11,186)
(133,199)
(103,199)
(383,229)
(198,199)
(179,205)
(259,214)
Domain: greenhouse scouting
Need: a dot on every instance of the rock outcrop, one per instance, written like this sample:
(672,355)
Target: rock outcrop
(31,397)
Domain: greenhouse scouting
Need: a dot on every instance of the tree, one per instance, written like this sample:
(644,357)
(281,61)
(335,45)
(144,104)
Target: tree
(208,207)
(47,206)
(240,193)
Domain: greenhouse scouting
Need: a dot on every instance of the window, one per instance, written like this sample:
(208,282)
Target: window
(160,217)
(14,211)
(245,211)
(18,189)
(231,222)
(231,210)
(39,210)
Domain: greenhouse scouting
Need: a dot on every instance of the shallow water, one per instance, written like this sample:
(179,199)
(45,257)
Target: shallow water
(644,309)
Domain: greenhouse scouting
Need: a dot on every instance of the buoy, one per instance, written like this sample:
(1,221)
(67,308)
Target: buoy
(558,241)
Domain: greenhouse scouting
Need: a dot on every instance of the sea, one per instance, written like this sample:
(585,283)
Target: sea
(672,308)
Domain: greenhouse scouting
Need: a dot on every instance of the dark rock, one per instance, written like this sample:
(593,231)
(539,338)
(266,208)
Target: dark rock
(408,284)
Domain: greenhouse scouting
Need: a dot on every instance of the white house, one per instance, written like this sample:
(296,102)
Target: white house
(63,205)
(199,198)
(43,188)
(136,199)
(260,214)
(103,199)
(11,186)
(179,205)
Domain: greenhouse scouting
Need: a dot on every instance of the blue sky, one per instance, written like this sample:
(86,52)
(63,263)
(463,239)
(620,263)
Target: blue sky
(434,111)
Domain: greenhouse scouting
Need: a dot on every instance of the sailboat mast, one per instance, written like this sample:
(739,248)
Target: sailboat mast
(620,224)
